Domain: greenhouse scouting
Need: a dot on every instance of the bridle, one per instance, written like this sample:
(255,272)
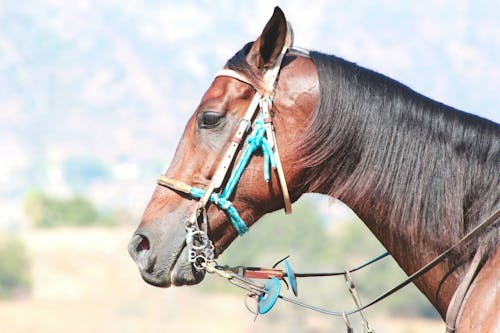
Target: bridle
(200,247)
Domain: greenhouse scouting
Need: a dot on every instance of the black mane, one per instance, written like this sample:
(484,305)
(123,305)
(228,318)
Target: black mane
(380,146)
(416,161)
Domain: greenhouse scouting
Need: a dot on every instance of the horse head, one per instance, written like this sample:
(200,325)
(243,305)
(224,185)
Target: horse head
(159,246)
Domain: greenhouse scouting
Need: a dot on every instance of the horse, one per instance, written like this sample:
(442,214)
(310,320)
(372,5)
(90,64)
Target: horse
(420,174)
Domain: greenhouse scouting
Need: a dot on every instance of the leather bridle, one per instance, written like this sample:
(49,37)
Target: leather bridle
(200,247)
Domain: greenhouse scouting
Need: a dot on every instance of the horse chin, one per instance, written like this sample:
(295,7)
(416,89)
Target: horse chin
(184,273)
(180,272)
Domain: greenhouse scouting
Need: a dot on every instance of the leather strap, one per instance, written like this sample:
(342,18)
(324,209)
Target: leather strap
(264,103)
(271,137)
(174,184)
(264,99)
(229,155)
(473,233)
(281,176)
(459,295)
(233,74)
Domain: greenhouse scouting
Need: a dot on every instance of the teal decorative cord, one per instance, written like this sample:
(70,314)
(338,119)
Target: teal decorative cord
(255,140)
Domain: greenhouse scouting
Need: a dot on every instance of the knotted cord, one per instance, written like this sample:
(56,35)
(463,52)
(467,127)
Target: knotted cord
(256,140)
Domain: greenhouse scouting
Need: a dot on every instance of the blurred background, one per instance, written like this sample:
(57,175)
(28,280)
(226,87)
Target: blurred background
(94,96)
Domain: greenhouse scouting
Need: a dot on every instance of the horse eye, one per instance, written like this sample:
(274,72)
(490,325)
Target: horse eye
(209,119)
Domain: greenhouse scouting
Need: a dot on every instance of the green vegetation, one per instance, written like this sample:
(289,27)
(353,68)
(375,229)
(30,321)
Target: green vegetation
(14,268)
(46,211)
(314,246)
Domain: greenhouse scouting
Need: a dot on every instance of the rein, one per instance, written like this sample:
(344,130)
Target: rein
(243,274)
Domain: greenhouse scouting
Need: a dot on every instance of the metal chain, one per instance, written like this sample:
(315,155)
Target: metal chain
(200,248)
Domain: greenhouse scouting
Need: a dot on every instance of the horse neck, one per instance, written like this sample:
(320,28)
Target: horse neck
(386,152)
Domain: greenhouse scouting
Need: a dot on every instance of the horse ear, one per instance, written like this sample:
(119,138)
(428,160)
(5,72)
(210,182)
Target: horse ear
(276,34)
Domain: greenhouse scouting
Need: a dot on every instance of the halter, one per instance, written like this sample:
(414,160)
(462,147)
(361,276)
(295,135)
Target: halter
(200,247)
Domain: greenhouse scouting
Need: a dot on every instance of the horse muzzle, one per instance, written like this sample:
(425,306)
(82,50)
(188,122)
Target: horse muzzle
(163,263)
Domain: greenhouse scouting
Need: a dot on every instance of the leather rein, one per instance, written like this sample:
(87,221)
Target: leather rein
(201,249)
(243,274)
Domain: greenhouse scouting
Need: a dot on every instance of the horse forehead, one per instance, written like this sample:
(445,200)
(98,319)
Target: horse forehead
(214,91)
(224,86)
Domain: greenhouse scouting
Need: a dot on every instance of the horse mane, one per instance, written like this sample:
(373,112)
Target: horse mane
(379,146)
(384,147)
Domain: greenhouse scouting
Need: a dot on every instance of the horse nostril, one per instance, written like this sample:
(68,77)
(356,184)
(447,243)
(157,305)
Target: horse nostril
(139,248)
(143,245)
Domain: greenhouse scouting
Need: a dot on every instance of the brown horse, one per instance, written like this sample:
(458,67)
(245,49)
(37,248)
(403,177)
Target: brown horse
(420,174)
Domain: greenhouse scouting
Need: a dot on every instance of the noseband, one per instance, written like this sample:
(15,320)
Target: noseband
(262,136)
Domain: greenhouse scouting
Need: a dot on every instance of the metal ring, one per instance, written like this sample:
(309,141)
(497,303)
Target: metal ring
(199,266)
(208,252)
